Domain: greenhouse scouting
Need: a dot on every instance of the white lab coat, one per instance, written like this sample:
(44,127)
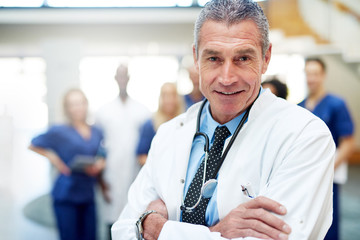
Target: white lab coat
(284,151)
(121,123)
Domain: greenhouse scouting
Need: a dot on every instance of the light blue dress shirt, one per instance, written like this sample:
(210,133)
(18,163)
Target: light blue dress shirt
(207,126)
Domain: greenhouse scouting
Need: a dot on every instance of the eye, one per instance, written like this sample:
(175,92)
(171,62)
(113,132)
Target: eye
(213,59)
(243,59)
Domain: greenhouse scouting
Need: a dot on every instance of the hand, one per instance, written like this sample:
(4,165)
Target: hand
(95,169)
(159,206)
(63,169)
(142,159)
(104,189)
(154,222)
(254,219)
(59,164)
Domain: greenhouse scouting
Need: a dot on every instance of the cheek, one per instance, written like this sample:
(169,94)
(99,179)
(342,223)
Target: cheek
(257,68)
(204,79)
(251,75)
(313,80)
(80,109)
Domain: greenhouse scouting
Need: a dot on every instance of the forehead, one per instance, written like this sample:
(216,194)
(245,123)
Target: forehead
(121,71)
(219,34)
(75,95)
(313,66)
(168,88)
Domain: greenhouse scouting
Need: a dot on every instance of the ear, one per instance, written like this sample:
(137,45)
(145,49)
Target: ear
(196,63)
(266,59)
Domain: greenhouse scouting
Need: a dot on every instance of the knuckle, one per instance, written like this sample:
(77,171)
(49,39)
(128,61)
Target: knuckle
(259,198)
(254,225)
(259,213)
(241,223)
(239,210)
(248,232)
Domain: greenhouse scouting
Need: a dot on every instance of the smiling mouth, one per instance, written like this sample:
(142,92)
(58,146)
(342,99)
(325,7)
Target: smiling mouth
(229,93)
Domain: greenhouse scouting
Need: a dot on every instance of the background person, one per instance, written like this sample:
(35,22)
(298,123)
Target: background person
(120,121)
(334,112)
(276,87)
(170,106)
(280,152)
(195,95)
(73,190)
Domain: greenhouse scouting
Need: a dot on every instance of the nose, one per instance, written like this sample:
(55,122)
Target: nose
(227,75)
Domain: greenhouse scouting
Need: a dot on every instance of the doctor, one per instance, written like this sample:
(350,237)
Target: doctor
(121,121)
(275,164)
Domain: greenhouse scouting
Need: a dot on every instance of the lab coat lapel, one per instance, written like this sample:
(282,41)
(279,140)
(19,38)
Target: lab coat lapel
(184,137)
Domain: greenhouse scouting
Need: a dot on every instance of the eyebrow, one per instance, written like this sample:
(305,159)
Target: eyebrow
(245,51)
(249,51)
(211,52)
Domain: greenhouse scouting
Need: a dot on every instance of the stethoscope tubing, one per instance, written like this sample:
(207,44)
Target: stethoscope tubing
(207,149)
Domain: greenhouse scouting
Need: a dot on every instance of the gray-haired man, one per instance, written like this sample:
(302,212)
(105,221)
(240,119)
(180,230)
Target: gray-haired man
(267,172)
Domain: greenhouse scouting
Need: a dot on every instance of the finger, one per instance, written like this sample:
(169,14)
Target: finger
(252,233)
(265,229)
(266,203)
(244,233)
(65,170)
(267,219)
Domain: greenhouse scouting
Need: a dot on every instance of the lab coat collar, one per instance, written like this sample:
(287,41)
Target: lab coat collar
(262,103)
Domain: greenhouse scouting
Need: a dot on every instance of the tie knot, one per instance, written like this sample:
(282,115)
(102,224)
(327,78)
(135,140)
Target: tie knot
(221,133)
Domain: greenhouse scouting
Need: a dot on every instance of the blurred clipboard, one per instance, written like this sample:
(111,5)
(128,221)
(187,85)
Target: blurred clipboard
(80,162)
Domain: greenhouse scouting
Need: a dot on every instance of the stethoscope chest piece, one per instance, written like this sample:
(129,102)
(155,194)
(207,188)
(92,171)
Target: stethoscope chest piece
(209,187)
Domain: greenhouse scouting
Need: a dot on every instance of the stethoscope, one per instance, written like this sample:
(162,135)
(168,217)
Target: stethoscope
(208,187)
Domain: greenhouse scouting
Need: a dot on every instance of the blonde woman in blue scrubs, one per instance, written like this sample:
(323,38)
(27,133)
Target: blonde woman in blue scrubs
(67,147)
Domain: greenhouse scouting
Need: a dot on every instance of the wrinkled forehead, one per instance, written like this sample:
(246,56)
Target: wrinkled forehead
(235,33)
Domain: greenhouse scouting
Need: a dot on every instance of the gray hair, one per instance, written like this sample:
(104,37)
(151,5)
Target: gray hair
(231,12)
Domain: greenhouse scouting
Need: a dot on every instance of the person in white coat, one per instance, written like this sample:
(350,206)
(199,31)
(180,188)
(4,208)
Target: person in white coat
(275,181)
(121,121)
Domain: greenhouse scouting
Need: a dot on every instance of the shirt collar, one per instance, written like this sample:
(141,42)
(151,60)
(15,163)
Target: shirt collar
(210,124)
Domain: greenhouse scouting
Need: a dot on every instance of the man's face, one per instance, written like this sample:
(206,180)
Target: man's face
(122,77)
(315,76)
(230,66)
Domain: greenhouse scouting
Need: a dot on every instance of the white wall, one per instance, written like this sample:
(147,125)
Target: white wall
(117,33)
(63,44)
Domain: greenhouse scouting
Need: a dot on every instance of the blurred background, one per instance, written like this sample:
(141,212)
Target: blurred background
(49,46)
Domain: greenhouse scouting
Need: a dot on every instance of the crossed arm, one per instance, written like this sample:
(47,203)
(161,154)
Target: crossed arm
(251,219)
(301,181)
